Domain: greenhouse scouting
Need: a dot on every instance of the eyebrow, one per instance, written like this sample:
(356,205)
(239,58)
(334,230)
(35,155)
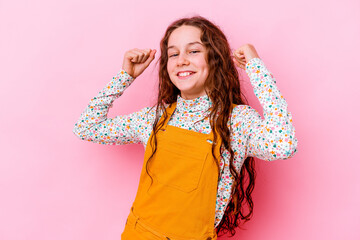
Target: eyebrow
(192,43)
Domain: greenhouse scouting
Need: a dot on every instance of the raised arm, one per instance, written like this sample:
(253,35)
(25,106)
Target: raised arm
(273,137)
(93,124)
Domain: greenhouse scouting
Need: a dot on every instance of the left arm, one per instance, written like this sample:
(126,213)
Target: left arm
(273,137)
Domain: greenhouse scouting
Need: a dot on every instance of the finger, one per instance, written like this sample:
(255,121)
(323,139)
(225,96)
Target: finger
(236,62)
(147,51)
(146,55)
(239,51)
(239,64)
(239,56)
(151,57)
(239,60)
(140,55)
(133,57)
(243,62)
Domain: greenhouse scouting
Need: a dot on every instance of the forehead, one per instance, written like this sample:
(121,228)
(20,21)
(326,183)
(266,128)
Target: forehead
(184,35)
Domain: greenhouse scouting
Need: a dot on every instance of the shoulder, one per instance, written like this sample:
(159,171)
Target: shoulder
(149,113)
(243,114)
(242,110)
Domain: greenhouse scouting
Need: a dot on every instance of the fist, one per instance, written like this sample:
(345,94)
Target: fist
(243,54)
(137,60)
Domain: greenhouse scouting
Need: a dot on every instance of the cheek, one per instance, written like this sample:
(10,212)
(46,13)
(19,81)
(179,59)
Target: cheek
(203,65)
(205,72)
(169,67)
(205,68)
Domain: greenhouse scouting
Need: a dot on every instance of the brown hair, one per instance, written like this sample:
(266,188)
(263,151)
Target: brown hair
(223,90)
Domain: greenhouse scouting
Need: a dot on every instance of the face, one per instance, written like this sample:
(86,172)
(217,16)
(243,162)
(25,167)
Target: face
(187,65)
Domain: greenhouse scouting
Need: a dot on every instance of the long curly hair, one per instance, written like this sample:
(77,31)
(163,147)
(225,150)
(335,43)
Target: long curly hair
(223,88)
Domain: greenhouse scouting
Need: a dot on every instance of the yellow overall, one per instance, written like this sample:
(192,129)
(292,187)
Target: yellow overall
(180,204)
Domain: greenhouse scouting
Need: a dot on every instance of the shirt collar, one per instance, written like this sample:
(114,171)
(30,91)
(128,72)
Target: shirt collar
(202,103)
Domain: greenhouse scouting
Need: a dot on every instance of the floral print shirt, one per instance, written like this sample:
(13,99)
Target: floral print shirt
(269,138)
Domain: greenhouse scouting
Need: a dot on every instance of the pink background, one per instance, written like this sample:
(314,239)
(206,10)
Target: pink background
(57,55)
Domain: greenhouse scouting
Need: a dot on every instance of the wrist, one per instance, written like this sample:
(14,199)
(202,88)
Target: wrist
(251,55)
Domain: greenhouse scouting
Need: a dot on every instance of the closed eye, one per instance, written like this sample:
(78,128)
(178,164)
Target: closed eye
(175,54)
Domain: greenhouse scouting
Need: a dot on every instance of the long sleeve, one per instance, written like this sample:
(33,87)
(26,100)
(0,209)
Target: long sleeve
(93,124)
(273,137)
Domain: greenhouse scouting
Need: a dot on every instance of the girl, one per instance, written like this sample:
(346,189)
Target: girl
(200,138)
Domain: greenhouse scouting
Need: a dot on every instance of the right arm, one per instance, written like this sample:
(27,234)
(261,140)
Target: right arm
(93,124)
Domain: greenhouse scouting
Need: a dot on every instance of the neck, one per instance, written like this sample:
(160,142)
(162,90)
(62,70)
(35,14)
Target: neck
(191,96)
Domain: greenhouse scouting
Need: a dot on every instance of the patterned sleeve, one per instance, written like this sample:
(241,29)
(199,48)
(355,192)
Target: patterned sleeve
(273,137)
(93,124)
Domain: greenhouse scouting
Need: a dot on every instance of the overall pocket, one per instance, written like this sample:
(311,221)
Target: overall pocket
(178,169)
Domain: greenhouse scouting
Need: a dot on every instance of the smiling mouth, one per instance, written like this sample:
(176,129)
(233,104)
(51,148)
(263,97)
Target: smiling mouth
(184,75)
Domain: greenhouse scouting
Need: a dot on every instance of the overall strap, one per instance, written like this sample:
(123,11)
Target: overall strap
(169,110)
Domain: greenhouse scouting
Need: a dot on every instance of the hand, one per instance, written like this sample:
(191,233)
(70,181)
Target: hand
(137,60)
(243,54)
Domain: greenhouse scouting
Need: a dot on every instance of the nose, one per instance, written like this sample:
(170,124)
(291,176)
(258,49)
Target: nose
(182,59)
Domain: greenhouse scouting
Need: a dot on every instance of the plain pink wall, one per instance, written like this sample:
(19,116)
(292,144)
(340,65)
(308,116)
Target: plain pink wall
(57,55)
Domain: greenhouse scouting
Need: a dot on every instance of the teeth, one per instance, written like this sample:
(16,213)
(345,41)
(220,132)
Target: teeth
(184,74)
